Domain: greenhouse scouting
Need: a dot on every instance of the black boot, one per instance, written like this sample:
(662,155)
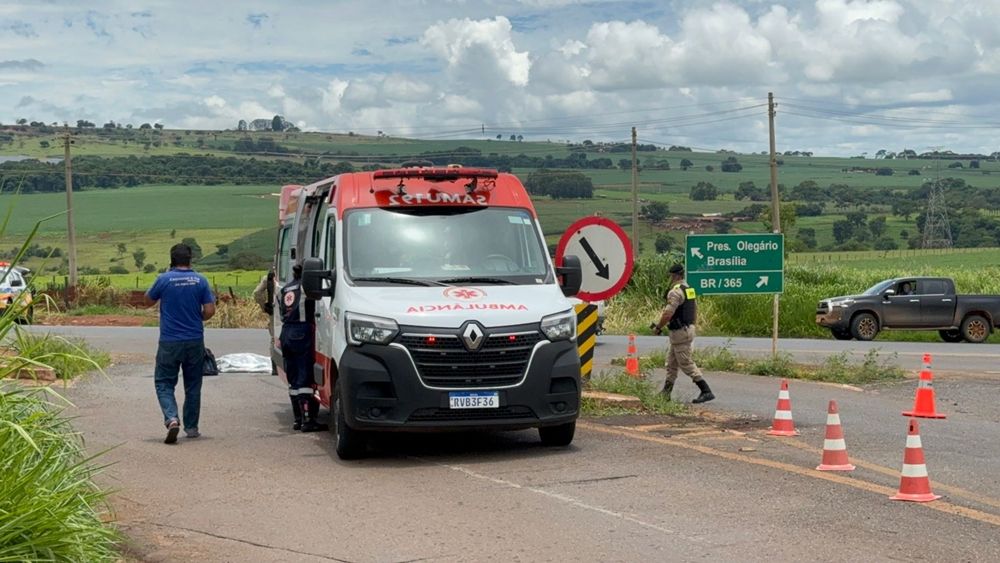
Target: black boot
(668,388)
(311,404)
(706,393)
(296,412)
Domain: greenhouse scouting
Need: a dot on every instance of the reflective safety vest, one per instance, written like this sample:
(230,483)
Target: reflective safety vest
(687,311)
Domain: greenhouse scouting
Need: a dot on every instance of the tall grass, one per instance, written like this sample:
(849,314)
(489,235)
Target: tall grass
(49,509)
(68,357)
(750,315)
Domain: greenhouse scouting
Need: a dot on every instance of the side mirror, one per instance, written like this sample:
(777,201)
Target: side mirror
(570,275)
(889,293)
(313,276)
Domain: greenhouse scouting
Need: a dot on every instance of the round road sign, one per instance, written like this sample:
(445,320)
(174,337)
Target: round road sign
(605,253)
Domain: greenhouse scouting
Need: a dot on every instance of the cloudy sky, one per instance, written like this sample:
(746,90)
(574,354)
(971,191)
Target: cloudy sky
(850,76)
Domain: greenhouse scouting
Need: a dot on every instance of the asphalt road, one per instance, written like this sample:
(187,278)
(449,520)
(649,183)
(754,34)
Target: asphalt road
(704,488)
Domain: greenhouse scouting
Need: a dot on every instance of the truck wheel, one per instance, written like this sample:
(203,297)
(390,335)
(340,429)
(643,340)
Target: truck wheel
(841,334)
(561,435)
(864,327)
(351,443)
(975,329)
(951,335)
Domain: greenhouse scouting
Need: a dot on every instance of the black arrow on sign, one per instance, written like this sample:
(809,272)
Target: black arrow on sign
(603,271)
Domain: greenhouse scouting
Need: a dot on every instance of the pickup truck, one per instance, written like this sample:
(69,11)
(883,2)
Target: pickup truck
(911,303)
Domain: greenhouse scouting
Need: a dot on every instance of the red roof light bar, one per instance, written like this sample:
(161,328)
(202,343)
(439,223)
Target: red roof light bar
(441,173)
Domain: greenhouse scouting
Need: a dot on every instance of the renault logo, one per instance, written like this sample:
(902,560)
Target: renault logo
(473,336)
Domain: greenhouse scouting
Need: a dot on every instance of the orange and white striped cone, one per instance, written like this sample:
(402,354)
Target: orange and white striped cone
(927,362)
(914,484)
(783,424)
(632,362)
(834,447)
(923,402)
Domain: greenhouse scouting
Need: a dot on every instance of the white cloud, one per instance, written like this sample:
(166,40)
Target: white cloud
(473,48)
(548,68)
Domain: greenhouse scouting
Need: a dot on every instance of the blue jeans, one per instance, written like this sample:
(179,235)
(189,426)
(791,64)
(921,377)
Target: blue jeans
(171,357)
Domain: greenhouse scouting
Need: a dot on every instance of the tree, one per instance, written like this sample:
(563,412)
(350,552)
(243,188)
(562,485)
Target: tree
(904,234)
(857,218)
(808,190)
(685,164)
(789,216)
(143,126)
(663,243)
(884,172)
(195,247)
(277,123)
(842,231)
(655,212)
(520,138)
(723,227)
(704,191)
(914,172)
(904,207)
(877,226)
(973,164)
(748,190)
(118,269)
(173,233)
(139,256)
(499,137)
(122,249)
(513,137)
(242,125)
(731,165)
(149,268)
(885,243)
(808,237)
(43,144)
(709,168)
(158,126)
(955,164)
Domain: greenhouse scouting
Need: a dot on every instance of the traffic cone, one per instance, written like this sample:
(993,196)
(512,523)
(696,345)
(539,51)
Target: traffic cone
(834,448)
(923,403)
(927,362)
(914,484)
(632,362)
(783,424)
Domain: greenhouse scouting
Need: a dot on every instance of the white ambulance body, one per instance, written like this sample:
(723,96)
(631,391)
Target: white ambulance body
(437,305)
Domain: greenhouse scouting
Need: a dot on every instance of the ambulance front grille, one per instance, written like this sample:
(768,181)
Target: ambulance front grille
(443,361)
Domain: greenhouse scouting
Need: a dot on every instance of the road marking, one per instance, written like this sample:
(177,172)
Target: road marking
(956,491)
(941,506)
(565,499)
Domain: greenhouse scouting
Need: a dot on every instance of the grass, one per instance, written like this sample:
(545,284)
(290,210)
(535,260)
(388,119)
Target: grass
(69,357)
(653,402)
(50,509)
(750,315)
(837,368)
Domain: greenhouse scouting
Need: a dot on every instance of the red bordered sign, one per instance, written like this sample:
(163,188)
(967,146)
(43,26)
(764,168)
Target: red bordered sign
(605,253)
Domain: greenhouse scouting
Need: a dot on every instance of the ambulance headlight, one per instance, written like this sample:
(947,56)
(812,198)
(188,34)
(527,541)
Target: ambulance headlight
(362,329)
(561,326)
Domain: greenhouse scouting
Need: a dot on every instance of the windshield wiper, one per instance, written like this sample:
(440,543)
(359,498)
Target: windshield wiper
(472,279)
(406,281)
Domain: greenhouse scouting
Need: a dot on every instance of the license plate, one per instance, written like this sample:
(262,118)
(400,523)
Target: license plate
(474,400)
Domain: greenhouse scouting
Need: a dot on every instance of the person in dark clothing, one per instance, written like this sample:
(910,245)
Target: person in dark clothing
(186,301)
(297,314)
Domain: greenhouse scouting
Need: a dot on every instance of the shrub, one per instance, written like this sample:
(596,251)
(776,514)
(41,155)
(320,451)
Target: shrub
(51,509)
(117,269)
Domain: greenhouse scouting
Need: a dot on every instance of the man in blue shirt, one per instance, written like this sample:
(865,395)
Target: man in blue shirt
(186,301)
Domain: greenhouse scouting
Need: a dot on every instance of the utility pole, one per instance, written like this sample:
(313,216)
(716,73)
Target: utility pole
(635,198)
(775,214)
(70,228)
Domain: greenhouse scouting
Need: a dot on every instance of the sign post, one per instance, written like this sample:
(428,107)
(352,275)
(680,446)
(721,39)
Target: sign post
(736,264)
(605,254)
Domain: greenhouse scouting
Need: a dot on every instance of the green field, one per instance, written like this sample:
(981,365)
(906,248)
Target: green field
(153,217)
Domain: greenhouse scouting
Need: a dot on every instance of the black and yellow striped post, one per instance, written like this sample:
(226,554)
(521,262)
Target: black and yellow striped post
(586,336)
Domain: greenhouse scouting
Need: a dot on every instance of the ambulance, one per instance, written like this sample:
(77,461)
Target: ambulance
(15,296)
(437,304)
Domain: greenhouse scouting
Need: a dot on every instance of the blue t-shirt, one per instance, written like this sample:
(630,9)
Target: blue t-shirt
(181,294)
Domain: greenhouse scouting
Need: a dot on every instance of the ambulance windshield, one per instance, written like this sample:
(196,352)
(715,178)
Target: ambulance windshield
(451,244)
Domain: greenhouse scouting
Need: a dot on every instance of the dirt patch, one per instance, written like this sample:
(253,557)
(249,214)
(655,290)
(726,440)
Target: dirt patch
(95,320)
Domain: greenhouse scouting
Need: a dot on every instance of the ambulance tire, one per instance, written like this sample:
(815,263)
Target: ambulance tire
(557,436)
(351,443)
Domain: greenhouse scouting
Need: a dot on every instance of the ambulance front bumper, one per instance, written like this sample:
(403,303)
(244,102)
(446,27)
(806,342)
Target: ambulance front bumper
(384,391)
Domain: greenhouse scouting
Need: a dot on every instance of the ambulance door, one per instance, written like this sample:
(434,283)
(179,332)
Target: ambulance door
(326,317)
(282,275)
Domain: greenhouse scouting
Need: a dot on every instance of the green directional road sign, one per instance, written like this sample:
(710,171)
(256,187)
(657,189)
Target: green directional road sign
(731,264)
